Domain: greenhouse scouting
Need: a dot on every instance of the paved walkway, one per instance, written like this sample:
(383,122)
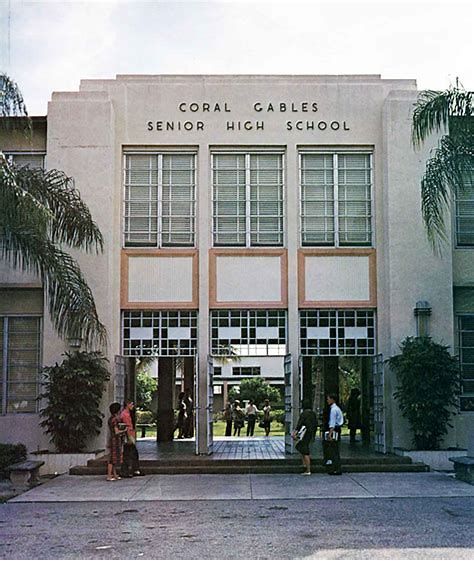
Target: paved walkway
(73,488)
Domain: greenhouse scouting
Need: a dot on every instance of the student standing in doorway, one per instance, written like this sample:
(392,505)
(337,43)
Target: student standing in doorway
(309,421)
(227,414)
(336,420)
(251,412)
(130,464)
(267,419)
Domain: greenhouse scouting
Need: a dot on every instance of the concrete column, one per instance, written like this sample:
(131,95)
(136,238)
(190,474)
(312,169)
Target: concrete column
(165,413)
(365,376)
(292,220)
(204,190)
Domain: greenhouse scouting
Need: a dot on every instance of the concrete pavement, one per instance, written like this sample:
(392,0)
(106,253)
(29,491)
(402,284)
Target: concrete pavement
(71,488)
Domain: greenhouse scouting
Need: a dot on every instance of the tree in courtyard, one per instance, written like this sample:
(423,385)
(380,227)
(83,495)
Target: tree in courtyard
(40,213)
(449,171)
(256,389)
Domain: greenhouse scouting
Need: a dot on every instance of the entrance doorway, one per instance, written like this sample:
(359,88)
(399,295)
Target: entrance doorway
(155,385)
(340,375)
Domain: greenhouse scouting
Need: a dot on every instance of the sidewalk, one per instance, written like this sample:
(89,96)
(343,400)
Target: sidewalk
(73,488)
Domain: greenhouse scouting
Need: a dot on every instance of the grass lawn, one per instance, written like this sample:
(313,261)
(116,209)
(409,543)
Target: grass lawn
(277,429)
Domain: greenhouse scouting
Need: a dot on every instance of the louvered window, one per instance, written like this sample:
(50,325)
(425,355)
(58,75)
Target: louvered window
(465,213)
(159,200)
(248,199)
(30,159)
(336,199)
(19,363)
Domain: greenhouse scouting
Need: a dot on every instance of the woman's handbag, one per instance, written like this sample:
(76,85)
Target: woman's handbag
(261,424)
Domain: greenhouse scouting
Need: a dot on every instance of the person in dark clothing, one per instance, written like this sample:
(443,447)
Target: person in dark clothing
(309,420)
(353,414)
(181,415)
(227,414)
(189,421)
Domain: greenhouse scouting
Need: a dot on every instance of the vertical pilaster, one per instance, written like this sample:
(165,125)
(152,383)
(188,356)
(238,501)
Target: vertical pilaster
(204,190)
(292,220)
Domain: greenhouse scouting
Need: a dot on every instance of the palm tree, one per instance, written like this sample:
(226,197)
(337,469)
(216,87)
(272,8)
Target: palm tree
(40,212)
(449,171)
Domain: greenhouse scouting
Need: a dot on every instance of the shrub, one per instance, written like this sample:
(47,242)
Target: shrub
(74,390)
(11,454)
(145,417)
(428,379)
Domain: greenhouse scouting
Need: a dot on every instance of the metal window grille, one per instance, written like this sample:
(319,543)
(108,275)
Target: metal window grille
(336,199)
(245,371)
(465,213)
(33,160)
(159,333)
(466,357)
(337,332)
(248,332)
(20,363)
(160,200)
(248,199)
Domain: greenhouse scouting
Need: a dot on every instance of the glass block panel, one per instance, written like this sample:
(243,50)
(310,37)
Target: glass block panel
(337,332)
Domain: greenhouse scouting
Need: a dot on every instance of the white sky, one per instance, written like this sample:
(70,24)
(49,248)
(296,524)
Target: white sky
(48,46)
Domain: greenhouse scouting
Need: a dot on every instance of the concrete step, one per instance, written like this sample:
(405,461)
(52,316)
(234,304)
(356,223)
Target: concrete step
(204,461)
(252,467)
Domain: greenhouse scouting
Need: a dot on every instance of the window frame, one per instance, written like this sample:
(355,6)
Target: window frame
(335,153)
(159,234)
(248,152)
(460,348)
(4,378)
(455,217)
(13,153)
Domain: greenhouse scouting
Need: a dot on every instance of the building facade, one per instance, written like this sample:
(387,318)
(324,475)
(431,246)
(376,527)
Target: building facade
(276,217)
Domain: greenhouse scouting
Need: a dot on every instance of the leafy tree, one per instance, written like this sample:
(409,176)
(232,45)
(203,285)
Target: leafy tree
(449,170)
(428,379)
(74,392)
(256,389)
(145,387)
(40,213)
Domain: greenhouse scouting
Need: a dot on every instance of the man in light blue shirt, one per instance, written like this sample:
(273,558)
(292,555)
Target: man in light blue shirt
(336,420)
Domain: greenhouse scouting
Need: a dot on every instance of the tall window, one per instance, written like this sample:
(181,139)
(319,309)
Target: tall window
(466,356)
(19,363)
(160,200)
(247,199)
(465,213)
(336,199)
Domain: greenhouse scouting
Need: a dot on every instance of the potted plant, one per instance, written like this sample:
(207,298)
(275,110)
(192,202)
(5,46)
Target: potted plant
(72,417)
(427,392)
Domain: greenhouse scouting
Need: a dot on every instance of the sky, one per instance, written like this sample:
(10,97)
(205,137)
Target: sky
(48,46)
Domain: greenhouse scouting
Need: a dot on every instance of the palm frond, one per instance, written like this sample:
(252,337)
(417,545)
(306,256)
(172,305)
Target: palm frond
(12,105)
(71,218)
(445,175)
(434,109)
(70,301)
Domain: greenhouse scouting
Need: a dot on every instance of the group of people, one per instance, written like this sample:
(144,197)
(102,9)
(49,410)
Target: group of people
(235,416)
(122,430)
(185,421)
(305,433)
(122,442)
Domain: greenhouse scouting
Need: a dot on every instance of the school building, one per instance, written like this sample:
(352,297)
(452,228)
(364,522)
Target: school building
(273,217)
